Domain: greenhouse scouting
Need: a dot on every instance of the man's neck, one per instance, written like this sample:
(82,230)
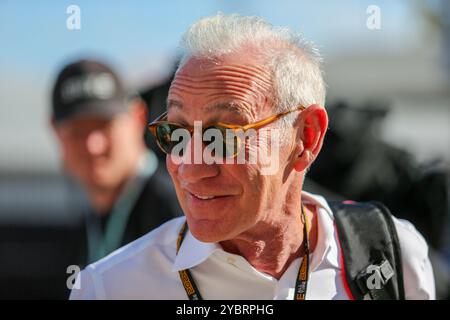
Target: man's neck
(273,247)
(103,200)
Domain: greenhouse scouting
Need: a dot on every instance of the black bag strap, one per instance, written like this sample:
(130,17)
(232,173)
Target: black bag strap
(370,251)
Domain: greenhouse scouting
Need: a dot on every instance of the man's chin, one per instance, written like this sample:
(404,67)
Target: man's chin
(98,183)
(210,231)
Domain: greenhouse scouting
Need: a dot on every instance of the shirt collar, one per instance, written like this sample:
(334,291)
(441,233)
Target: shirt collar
(326,249)
(193,252)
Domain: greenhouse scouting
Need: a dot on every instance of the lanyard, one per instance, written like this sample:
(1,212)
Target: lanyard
(301,283)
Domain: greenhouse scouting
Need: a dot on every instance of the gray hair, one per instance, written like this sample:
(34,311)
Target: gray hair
(295,64)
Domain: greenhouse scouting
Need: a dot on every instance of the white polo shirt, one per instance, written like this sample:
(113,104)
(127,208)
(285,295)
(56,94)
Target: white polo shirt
(148,267)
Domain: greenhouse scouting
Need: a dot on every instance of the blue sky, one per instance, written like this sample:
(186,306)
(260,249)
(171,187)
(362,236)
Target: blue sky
(134,35)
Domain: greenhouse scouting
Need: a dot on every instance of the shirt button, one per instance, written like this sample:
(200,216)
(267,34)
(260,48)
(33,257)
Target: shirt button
(231,260)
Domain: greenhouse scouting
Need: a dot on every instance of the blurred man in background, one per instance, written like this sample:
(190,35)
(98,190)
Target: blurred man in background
(99,127)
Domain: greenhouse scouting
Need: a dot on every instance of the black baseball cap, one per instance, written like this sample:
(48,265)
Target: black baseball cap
(88,87)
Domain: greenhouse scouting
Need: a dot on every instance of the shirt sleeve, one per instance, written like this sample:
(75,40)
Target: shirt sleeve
(418,275)
(84,288)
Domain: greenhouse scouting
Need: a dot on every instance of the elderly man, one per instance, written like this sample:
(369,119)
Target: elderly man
(248,233)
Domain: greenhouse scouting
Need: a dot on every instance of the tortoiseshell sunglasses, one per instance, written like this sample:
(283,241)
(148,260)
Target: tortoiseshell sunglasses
(162,130)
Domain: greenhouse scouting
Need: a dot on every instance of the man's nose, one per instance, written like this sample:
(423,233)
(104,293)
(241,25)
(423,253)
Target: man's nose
(96,142)
(192,173)
(193,167)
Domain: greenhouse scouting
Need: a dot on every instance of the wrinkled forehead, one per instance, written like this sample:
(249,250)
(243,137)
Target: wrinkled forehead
(236,78)
(198,66)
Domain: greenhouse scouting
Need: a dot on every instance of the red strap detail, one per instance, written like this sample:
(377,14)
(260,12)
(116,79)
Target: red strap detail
(341,258)
(349,202)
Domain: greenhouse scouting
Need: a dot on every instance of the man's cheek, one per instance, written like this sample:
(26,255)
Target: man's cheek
(171,167)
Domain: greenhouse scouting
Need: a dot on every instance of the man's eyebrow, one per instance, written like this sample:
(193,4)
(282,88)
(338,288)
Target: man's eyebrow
(221,106)
(174,104)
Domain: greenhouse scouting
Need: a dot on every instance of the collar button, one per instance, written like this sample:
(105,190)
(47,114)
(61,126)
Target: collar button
(231,261)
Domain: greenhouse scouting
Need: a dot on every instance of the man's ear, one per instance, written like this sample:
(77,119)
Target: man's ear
(312,126)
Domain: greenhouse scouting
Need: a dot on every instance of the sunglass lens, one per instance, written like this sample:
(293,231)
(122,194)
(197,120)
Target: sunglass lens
(164,136)
(224,136)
